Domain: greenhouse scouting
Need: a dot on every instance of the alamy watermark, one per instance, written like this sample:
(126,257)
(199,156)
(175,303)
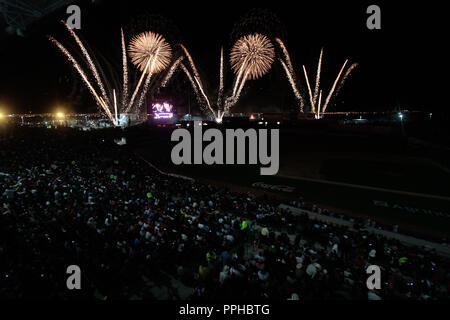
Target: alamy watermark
(74,20)
(74,280)
(213,153)
(374,280)
(374,20)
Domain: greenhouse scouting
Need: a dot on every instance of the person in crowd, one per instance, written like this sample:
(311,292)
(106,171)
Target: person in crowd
(73,197)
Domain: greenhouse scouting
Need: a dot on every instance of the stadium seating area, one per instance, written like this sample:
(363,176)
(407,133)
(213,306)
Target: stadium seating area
(70,197)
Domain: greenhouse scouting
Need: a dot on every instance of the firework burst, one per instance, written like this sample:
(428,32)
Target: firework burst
(150,49)
(108,101)
(251,58)
(253,53)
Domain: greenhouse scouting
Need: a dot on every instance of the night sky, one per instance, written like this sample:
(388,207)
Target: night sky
(401,65)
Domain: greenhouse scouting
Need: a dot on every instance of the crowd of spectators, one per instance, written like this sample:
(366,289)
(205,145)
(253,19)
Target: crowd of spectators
(76,198)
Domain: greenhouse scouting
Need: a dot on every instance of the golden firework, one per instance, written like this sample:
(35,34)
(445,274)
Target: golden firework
(150,52)
(252,55)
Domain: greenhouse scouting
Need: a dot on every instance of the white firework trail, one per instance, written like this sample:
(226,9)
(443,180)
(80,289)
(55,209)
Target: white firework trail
(286,55)
(330,94)
(318,105)
(191,80)
(100,101)
(205,96)
(146,85)
(256,52)
(251,57)
(125,68)
(92,66)
(290,74)
(105,102)
(309,90)
(347,73)
(115,108)
(192,64)
(244,79)
(171,71)
(196,80)
(319,67)
(202,98)
(130,103)
(239,75)
(220,94)
(236,81)
(291,79)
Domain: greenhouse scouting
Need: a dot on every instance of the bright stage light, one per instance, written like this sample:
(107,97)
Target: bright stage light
(162,110)
(60,115)
(164,115)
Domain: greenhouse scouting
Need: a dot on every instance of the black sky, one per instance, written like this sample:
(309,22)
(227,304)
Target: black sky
(400,65)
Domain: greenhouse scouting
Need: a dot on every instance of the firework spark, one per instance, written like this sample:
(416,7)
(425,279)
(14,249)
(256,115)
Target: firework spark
(125,67)
(325,105)
(202,98)
(115,107)
(99,100)
(315,97)
(311,99)
(290,74)
(318,105)
(319,68)
(290,78)
(171,71)
(151,54)
(287,58)
(220,94)
(106,102)
(193,84)
(347,73)
(89,60)
(196,83)
(192,64)
(251,57)
(254,53)
(150,49)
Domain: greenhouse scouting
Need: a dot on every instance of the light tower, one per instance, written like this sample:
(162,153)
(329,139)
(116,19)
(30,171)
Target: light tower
(19,14)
